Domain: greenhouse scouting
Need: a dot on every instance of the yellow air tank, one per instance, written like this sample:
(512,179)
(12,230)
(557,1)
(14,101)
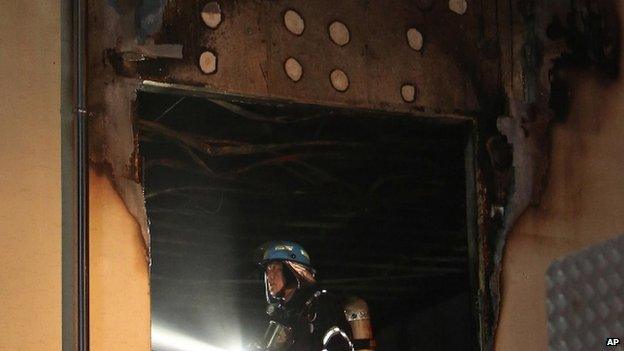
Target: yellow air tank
(356,311)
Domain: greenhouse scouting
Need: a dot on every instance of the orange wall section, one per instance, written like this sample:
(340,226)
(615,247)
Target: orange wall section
(119,279)
(583,205)
(30,176)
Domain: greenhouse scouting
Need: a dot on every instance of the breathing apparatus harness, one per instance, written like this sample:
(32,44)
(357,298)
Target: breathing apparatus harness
(285,315)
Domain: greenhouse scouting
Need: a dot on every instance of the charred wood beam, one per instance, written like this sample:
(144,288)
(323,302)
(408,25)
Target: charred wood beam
(213,147)
(194,190)
(208,147)
(340,207)
(184,238)
(426,228)
(187,202)
(182,223)
(198,160)
(417,215)
(452,253)
(269,162)
(428,184)
(285,119)
(194,140)
(439,193)
(438,149)
(445,197)
(421,163)
(251,186)
(201,194)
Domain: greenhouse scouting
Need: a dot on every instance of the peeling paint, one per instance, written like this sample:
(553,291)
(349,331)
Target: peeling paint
(111,104)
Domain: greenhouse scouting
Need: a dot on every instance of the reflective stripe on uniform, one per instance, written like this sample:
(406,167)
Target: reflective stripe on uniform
(333,331)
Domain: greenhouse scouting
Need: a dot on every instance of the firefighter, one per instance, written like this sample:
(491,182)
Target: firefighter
(303,316)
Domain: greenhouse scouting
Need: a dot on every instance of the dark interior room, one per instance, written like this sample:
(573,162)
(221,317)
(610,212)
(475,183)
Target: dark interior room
(378,200)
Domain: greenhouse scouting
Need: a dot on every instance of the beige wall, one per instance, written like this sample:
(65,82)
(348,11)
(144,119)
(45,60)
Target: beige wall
(583,204)
(120,303)
(30,176)
(30,209)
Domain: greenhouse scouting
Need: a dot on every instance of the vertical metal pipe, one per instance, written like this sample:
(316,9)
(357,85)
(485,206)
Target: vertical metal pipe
(81,155)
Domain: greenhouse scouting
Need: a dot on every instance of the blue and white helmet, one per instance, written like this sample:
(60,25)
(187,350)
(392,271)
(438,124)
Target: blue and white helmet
(284,251)
(293,256)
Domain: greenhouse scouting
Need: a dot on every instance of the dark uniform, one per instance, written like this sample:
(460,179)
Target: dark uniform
(312,319)
(317,322)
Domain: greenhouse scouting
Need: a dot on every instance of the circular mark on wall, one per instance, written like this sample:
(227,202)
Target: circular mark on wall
(339,80)
(294,22)
(211,14)
(339,33)
(208,62)
(458,6)
(408,93)
(414,39)
(293,69)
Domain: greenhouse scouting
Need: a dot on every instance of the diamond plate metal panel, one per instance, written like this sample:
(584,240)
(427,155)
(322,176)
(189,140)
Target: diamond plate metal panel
(585,299)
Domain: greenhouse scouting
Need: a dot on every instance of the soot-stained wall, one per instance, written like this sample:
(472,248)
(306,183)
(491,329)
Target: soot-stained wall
(582,205)
(434,59)
(423,57)
(119,300)
(401,55)
(437,59)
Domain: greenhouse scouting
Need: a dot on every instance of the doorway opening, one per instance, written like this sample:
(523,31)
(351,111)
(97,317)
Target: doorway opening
(377,199)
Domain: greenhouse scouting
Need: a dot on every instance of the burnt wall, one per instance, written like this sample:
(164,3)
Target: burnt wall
(440,60)
(119,301)
(580,204)
(379,46)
